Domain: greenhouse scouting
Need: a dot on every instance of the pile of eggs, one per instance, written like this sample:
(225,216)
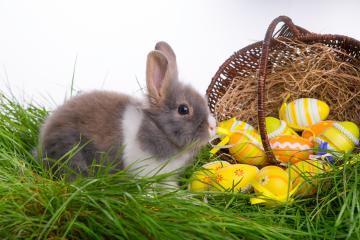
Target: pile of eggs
(274,182)
(294,139)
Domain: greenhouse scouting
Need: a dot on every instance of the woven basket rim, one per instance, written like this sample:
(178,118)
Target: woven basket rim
(307,37)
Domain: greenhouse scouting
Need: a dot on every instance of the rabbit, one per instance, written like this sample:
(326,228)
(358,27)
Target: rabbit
(163,131)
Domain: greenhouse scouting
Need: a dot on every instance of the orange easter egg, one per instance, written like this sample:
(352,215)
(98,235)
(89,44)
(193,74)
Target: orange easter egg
(247,149)
(291,148)
(316,129)
(341,136)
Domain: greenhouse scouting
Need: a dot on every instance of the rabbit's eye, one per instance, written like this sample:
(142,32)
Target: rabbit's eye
(183,109)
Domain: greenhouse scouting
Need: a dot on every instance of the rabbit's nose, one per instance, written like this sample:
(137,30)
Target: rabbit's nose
(212,125)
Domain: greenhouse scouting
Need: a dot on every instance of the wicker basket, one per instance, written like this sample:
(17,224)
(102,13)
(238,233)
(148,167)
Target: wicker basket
(254,60)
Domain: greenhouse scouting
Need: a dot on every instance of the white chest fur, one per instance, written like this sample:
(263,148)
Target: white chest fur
(139,161)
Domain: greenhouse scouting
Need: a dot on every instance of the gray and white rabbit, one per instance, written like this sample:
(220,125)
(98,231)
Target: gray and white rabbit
(165,130)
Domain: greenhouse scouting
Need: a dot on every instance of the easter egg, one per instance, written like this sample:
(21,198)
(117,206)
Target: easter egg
(233,124)
(202,180)
(272,182)
(247,149)
(316,129)
(341,136)
(228,128)
(304,112)
(216,165)
(236,177)
(301,174)
(291,148)
(276,127)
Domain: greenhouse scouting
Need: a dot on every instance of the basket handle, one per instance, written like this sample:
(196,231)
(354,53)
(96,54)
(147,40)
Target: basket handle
(262,77)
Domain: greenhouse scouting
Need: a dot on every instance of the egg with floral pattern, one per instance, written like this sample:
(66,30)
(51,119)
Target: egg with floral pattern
(236,177)
(202,179)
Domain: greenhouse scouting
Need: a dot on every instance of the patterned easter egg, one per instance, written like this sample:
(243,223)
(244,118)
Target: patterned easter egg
(236,125)
(301,174)
(341,136)
(232,130)
(291,148)
(202,180)
(276,127)
(304,112)
(316,129)
(273,179)
(236,177)
(247,149)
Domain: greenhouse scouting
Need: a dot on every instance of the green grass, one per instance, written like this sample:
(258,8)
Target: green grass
(33,205)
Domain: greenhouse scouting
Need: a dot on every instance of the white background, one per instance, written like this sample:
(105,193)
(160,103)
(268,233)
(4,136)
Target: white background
(40,40)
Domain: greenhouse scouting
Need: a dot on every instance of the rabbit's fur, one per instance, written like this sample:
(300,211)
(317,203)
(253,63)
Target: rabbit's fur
(133,134)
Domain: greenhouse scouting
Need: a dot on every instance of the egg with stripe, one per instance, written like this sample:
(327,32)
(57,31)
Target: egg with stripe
(291,148)
(316,129)
(276,127)
(304,112)
(247,149)
(303,174)
(233,124)
(341,136)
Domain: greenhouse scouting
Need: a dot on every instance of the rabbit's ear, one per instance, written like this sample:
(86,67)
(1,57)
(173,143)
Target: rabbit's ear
(156,73)
(167,51)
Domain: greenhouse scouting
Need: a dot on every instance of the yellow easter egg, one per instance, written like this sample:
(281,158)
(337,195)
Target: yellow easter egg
(301,175)
(202,180)
(247,149)
(291,148)
(304,112)
(276,127)
(233,124)
(341,136)
(227,123)
(273,179)
(316,129)
(215,165)
(236,177)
